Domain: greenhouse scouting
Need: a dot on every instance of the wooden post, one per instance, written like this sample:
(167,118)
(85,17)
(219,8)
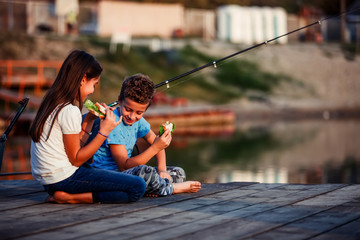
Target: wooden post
(343,20)
(40,80)
(9,73)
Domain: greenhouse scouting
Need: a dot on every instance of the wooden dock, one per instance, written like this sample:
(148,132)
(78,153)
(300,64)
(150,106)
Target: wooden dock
(238,210)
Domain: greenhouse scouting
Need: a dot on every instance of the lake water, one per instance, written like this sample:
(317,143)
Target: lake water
(279,152)
(308,151)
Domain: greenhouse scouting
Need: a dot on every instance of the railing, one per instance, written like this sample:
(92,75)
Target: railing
(19,75)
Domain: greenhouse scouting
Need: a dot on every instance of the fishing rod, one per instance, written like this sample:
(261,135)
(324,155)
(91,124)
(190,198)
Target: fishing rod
(213,63)
(3,138)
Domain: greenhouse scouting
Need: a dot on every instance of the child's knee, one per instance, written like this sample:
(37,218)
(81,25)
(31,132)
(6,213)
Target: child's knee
(139,189)
(146,172)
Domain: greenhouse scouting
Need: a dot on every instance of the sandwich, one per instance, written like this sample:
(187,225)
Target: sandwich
(165,126)
(95,109)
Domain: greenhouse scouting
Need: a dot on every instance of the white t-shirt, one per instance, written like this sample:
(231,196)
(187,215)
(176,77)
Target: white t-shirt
(49,162)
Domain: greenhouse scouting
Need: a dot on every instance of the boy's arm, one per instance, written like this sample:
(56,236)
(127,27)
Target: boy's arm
(160,156)
(120,156)
(122,160)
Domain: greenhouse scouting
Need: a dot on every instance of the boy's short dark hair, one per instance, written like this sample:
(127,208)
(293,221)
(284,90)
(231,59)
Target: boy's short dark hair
(139,88)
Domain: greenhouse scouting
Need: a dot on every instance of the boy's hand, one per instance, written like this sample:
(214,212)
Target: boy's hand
(164,174)
(163,141)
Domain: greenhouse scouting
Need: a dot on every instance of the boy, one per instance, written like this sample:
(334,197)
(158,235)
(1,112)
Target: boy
(115,153)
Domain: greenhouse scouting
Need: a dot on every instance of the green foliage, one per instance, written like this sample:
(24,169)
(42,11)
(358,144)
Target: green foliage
(216,86)
(246,76)
(229,81)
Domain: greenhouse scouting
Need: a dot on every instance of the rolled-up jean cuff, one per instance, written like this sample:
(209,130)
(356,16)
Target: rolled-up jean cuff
(96,197)
(49,189)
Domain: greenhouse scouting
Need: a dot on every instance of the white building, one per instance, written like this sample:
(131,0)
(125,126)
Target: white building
(251,25)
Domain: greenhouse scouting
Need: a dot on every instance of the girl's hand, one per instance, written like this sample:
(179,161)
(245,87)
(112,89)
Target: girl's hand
(90,116)
(163,141)
(109,123)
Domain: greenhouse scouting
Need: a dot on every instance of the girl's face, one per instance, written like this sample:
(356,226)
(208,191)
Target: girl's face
(132,111)
(87,87)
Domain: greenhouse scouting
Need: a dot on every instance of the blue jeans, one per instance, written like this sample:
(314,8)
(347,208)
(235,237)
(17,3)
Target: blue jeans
(106,186)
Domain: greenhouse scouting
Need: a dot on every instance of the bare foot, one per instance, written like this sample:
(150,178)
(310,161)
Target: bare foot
(63,197)
(187,187)
(50,199)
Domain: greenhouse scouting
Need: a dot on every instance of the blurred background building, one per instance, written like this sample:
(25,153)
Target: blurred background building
(233,23)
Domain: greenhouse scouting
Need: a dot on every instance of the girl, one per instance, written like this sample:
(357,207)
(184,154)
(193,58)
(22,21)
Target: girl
(58,155)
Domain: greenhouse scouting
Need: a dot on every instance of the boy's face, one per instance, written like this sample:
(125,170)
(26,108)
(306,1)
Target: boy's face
(132,111)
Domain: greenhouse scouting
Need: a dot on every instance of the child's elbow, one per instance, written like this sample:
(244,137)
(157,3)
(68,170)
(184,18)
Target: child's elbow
(75,163)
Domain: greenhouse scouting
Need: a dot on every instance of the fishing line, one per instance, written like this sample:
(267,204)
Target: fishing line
(196,74)
(221,61)
(216,62)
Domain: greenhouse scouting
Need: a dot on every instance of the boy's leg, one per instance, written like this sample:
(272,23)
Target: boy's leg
(187,187)
(154,183)
(177,174)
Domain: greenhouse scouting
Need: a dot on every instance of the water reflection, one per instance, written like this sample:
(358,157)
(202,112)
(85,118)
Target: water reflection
(278,152)
(281,152)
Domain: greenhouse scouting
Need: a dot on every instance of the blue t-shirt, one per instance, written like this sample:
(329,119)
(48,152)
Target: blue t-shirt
(123,135)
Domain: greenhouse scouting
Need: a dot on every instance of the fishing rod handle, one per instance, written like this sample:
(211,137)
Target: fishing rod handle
(113,104)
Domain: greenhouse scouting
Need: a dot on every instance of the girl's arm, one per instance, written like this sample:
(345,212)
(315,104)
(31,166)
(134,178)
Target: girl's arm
(79,155)
(86,127)
(122,160)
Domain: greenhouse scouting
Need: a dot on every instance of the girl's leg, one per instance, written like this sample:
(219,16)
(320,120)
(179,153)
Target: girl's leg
(63,197)
(104,186)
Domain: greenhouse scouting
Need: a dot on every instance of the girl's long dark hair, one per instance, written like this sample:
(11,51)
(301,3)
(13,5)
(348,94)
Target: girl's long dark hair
(65,89)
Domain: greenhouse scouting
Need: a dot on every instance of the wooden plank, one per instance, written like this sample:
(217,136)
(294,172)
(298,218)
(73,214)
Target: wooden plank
(349,231)
(18,201)
(218,211)
(316,225)
(10,188)
(212,226)
(251,225)
(89,212)
(173,215)
(120,221)
(8,184)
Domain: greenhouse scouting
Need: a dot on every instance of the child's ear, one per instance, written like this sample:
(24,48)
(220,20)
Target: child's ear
(83,80)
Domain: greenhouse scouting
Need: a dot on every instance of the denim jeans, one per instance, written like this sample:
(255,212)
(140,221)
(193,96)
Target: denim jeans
(106,186)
